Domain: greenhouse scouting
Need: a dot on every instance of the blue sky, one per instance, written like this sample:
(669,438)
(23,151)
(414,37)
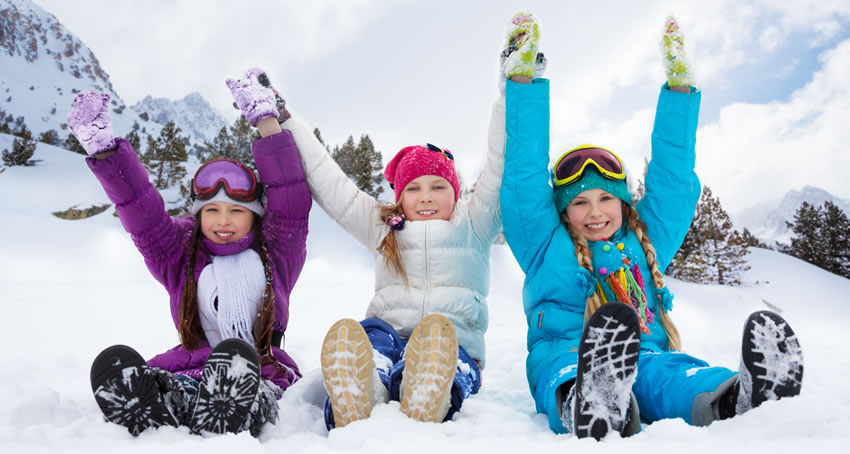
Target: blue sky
(410,72)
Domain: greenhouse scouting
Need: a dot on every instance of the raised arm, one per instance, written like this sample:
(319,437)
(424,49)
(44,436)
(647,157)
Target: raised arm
(287,196)
(484,210)
(672,186)
(529,215)
(354,210)
(161,240)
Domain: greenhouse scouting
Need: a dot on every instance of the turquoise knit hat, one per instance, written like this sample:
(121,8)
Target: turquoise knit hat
(590,179)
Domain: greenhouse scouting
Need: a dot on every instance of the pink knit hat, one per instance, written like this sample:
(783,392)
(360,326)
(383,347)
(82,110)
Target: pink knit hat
(414,161)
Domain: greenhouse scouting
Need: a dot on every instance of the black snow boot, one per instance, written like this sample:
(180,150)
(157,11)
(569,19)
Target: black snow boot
(607,368)
(771,361)
(127,392)
(231,379)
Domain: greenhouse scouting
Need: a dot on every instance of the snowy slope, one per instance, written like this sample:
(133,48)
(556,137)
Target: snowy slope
(71,288)
(42,66)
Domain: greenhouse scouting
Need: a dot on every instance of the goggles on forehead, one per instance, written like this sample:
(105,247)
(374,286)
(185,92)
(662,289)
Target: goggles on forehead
(446,153)
(237,180)
(571,165)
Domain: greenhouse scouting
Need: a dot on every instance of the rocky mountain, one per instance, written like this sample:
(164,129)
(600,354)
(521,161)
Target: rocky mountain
(193,114)
(768,221)
(43,64)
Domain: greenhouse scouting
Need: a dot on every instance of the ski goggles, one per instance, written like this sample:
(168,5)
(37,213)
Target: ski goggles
(571,165)
(237,180)
(446,153)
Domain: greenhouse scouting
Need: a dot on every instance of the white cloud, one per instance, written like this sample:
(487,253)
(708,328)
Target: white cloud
(770,39)
(756,152)
(410,72)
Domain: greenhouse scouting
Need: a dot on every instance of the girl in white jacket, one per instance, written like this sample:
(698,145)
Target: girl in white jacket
(422,342)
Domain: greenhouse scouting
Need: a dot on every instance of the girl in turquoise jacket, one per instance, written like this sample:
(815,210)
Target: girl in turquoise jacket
(604,353)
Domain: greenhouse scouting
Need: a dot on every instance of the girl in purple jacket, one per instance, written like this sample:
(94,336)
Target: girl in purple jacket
(228,269)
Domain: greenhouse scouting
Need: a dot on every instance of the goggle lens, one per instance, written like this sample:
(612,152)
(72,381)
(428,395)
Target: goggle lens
(572,164)
(235,178)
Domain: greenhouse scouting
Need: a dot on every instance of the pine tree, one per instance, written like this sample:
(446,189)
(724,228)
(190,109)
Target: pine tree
(232,142)
(4,122)
(712,251)
(19,127)
(344,157)
(165,156)
(368,167)
(807,243)
(50,137)
(836,236)
(243,137)
(135,141)
(751,240)
(72,144)
(362,163)
(22,150)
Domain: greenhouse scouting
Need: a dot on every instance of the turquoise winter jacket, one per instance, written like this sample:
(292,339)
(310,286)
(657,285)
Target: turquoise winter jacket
(556,289)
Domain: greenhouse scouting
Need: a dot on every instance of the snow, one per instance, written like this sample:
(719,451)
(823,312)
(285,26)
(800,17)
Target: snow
(69,289)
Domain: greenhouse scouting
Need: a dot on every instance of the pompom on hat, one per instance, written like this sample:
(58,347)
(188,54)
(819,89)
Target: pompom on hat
(414,161)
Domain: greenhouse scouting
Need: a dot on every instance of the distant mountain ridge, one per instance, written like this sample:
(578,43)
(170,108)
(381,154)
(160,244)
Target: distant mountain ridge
(767,221)
(193,114)
(43,65)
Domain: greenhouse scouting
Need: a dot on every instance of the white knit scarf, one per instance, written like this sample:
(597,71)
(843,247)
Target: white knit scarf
(238,282)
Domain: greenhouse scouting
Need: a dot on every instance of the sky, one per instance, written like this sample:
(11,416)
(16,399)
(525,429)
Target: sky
(775,104)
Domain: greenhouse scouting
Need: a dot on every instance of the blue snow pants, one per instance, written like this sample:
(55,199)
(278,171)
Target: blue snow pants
(669,384)
(386,341)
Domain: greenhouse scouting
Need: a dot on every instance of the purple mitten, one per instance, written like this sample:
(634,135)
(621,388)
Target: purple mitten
(89,122)
(253,99)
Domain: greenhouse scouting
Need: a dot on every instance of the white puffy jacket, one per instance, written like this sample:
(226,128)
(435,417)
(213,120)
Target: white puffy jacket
(447,262)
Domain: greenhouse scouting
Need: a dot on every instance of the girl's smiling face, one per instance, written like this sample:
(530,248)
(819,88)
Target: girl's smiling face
(427,198)
(595,214)
(225,222)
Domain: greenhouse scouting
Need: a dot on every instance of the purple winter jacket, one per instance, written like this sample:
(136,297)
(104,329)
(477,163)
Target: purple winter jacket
(164,241)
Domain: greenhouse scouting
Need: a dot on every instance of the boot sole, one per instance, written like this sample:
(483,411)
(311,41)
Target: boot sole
(231,379)
(607,368)
(772,356)
(429,371)
(347,371)
(126,391)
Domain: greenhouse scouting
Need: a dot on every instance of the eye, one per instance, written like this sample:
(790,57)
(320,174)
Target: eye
(606,198)
(412,189)
(210,209)
(578,202)
(438,187)
(238,210)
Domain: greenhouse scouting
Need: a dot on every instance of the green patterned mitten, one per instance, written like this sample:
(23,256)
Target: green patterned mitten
(676,63)
(522,40)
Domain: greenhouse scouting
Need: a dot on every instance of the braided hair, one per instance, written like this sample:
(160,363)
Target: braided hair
(585,260)
(189,323)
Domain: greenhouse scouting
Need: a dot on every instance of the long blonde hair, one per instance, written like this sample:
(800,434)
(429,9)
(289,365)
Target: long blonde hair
(585,260)
(389,246)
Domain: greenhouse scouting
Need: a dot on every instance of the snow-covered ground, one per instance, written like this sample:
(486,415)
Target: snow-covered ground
(68,289)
